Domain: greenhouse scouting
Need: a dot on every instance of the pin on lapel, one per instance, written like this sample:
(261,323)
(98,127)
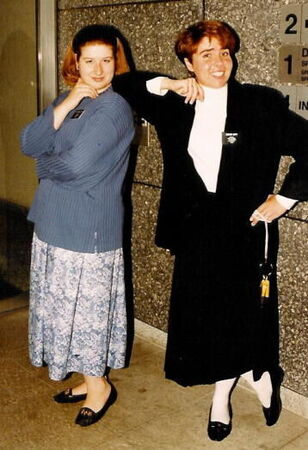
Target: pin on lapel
(229,138)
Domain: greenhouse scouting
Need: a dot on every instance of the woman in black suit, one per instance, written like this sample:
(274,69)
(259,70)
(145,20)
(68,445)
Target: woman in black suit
(221,158)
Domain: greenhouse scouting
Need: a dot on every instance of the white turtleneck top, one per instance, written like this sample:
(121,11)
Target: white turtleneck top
(205,142)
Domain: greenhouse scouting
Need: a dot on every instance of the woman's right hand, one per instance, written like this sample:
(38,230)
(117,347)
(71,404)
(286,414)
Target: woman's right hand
(79,91)
(188,88)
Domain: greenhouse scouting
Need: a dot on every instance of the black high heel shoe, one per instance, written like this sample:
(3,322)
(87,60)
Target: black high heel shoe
(68,397)
(272,413)
(87,416)
(217,431)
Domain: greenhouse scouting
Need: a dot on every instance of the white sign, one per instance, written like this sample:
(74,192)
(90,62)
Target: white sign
(298,99)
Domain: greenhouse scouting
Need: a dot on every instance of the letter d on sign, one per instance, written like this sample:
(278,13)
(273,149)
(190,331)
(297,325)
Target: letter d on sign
(304,52)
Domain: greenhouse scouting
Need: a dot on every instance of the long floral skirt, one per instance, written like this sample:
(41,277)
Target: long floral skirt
(77,317)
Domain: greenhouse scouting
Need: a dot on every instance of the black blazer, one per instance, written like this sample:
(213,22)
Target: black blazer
(264,129)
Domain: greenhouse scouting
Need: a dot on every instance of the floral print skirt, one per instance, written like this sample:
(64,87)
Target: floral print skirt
(77,317)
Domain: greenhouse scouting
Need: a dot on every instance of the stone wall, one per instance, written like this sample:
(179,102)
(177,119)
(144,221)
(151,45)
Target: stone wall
(151,28)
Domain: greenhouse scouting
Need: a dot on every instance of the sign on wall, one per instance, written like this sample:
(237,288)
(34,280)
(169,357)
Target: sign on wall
(293,66)
(293,56)
(298,99)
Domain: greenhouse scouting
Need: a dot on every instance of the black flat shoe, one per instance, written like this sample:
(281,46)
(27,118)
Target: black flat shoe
(272,413)
(68,397)
(217,431)
(87,416)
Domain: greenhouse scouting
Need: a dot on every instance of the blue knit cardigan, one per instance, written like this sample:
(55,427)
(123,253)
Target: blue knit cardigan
(81,166)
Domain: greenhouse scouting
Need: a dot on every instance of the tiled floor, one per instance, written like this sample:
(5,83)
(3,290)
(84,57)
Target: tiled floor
(150,413)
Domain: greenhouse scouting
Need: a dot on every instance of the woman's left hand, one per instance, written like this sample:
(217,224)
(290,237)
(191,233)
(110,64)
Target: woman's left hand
(268,211)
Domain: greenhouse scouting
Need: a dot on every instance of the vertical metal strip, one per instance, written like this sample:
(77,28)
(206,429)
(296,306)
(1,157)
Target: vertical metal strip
(47,52)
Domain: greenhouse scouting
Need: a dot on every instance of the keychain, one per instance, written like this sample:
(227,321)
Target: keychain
(265,288)
(266,271)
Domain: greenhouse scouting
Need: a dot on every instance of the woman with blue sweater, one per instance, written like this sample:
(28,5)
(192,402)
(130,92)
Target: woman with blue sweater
(77,319)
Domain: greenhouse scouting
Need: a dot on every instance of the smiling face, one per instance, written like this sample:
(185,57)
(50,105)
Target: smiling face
(96,65)
(211,63)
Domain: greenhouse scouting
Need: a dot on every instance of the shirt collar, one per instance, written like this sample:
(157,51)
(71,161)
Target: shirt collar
(215,93)
(214,98)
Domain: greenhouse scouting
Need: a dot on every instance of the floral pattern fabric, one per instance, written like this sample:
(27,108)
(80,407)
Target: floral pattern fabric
(77,317)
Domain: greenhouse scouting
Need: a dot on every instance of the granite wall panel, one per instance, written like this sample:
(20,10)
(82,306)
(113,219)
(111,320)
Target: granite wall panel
(151,28)
(152,267)
(82,4)
(293,299)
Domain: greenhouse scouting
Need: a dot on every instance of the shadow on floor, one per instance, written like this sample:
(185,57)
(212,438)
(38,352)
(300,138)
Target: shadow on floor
(15,299)
(7,290)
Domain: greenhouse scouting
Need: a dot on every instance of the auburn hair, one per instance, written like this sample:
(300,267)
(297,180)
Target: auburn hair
(93,34)
(188,40)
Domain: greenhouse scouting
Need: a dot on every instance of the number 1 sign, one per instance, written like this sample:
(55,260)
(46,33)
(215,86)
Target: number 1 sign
(289,63)
(293,58)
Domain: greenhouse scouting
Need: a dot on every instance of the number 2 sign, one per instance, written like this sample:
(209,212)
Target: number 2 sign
(294,24)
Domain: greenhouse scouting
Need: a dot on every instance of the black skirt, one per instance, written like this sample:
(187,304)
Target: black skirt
(217,329)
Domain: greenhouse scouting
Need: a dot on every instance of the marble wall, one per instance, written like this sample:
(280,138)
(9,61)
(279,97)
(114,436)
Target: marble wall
(151,28)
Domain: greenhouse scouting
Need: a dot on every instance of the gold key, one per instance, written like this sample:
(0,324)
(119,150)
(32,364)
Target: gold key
(265,288)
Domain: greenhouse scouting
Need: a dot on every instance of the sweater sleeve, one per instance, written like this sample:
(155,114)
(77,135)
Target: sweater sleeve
(38,137)
(96,141)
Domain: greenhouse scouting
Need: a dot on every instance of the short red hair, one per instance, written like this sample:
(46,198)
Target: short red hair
(189,39)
